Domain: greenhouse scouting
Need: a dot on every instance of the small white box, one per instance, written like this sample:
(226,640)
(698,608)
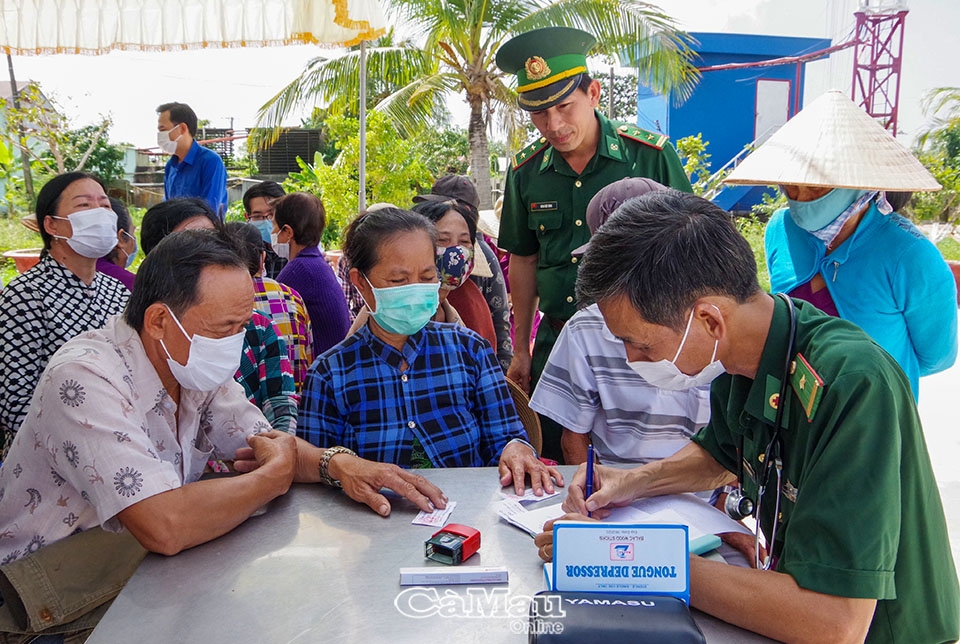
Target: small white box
(436,576)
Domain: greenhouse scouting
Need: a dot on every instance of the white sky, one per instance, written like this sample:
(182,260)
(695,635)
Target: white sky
(220,84)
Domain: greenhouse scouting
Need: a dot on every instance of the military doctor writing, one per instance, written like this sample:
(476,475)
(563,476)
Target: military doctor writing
(858,540)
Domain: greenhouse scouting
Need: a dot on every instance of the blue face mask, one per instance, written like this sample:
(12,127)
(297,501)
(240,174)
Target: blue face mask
(819,213)
(406,309)
(131,257)
(265,226)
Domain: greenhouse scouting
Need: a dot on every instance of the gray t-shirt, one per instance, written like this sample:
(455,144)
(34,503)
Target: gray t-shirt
(588,388)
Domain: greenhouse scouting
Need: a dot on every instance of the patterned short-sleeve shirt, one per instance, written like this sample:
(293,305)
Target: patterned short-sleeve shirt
(265,373)
(102,434)
(289,313)
(39,311)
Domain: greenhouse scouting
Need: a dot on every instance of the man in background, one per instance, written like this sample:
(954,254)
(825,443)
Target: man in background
(193,170)
(258,209)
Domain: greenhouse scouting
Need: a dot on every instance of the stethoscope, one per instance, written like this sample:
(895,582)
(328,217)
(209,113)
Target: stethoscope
(739,506)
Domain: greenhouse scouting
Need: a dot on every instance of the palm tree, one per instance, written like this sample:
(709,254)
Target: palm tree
(459,40)
(938,148)
(942,105)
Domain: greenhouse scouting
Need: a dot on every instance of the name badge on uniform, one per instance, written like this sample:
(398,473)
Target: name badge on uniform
(540,206)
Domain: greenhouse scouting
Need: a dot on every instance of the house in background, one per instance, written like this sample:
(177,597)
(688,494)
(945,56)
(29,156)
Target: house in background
(6,94)
(15,168)
(735,108)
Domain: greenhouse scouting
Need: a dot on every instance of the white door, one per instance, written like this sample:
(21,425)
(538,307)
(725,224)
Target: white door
(773,108)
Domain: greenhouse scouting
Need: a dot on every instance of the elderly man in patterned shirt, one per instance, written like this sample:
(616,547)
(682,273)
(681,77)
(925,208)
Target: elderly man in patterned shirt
(126,417)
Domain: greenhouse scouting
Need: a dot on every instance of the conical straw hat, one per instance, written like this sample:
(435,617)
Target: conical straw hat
(833,143)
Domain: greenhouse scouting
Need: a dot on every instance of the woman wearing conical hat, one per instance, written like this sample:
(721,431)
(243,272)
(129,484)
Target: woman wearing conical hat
(840,246)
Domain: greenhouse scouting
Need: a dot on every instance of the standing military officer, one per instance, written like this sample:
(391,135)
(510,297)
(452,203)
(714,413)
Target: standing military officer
(553,179)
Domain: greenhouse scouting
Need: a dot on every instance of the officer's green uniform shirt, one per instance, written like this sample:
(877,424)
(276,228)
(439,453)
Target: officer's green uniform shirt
(862,516)
(545,202)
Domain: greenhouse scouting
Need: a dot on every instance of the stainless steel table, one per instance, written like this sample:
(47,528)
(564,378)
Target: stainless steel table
(317,566)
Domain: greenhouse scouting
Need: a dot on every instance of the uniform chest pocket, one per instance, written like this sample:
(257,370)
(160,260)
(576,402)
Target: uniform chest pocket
(544,221)
(553,237)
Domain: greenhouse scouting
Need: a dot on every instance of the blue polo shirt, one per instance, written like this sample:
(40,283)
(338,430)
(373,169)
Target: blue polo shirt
(200,174)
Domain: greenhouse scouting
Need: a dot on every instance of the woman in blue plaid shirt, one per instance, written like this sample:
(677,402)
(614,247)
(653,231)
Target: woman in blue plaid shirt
(405,389)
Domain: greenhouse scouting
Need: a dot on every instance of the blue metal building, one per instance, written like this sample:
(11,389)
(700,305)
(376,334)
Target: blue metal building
(734,107)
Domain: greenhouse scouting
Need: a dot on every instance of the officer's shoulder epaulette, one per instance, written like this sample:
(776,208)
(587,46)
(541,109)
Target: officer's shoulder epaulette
(527,153)
(640,135)
(807,385)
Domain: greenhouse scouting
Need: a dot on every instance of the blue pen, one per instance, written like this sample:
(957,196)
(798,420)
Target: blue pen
(589,474)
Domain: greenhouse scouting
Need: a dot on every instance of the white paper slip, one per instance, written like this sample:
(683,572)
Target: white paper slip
(695,511)
(700,541)
(528,495)
(508,509)
(437,518)
(530,521)
(700,517)
(666,516)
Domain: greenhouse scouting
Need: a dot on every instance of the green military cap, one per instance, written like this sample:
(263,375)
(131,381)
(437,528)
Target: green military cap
(548,63)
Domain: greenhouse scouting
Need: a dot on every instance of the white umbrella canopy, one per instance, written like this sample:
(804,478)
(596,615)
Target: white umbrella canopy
(30,27)
(39,27)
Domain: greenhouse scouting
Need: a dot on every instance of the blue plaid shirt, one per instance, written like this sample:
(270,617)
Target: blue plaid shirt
(452,398)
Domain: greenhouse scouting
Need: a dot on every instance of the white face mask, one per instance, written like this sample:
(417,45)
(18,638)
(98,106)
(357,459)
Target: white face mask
(167,144)
(283,250)
(94,232)
(210,362)
(666,375)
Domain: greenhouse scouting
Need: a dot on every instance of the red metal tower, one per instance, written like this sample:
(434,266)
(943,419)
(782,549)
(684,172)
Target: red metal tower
(877,57)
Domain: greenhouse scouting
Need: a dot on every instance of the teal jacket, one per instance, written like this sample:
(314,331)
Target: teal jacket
(887,278)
